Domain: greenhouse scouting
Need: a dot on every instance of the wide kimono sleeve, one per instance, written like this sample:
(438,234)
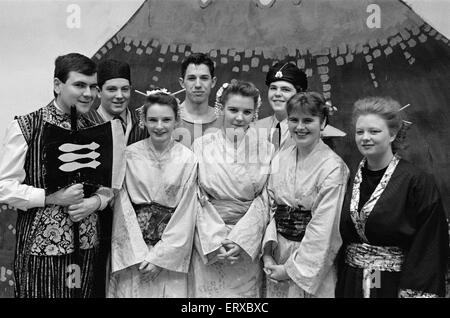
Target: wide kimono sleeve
(128,247)
(174,250)
(270,239)
(425,264)
(210,229)
(315,256)
(249,231)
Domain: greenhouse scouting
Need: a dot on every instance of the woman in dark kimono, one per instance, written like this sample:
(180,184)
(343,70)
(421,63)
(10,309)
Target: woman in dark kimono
(393,224)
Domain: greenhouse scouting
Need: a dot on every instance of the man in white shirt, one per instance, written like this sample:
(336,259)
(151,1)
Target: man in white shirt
(44,257)
(284,80)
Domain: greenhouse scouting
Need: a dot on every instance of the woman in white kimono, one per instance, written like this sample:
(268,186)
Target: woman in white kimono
(233,170)
(155,212)
(306,195)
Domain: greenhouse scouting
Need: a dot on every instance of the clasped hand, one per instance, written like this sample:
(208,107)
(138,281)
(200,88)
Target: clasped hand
(151,270)
(276,273)
(73,197)
(229,251)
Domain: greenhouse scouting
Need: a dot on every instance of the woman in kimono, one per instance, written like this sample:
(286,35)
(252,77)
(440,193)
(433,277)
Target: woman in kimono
(393,224)
(233,169)
(306,195)
(155,212)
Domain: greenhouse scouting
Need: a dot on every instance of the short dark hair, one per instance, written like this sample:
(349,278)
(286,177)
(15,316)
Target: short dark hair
(73,62)
(246,89)
(309,102)
(197,59)
(162,99)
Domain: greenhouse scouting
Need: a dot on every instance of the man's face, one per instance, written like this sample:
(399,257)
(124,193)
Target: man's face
(78,90)
(115,95)
(198,83)
(279,93)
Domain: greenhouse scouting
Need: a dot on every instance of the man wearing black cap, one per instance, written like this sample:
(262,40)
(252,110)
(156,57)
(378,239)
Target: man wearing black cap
(284,81)
(114,82)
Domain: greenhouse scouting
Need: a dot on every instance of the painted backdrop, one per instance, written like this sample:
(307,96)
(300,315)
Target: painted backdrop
(348,48)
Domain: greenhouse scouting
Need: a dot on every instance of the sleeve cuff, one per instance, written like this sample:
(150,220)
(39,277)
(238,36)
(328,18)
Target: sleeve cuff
(105,195)
(37,198)
(293,274)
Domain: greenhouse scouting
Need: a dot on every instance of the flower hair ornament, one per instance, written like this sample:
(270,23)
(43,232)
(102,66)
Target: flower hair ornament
(140,110)
(331,109)
(218,104)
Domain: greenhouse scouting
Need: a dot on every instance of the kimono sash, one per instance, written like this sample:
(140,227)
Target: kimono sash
(231,211)
(152,219)
(372,258)
(291,222)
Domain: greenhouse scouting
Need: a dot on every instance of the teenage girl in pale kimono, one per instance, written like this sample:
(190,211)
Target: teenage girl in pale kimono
(393,224)
(233,170)
(155,212)
(306,190)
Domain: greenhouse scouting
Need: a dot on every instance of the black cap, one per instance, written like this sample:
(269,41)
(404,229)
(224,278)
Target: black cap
(287,72)
(109,69)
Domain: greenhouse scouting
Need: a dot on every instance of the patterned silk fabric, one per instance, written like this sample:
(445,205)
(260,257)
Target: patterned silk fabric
(292,222)
(153,219)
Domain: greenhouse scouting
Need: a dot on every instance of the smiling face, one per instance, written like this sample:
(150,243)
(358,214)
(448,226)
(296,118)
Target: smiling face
(198,83)
(238,111)
(78,90)
(115,95)
(305,129)
(372,136)
(279,93)
(160,123)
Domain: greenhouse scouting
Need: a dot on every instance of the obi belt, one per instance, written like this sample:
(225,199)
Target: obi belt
(291,222)
(152,219)
(373,260)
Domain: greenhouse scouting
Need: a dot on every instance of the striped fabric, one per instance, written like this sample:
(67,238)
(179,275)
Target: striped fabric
(43,276)
(137,133)
(50,276)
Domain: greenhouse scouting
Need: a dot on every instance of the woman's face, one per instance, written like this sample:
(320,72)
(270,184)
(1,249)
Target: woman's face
(372,136)
(160,123)
(304,128)
(279,93)
(238,111)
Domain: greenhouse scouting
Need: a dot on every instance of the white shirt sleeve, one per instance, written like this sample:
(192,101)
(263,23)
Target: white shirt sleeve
(12,172)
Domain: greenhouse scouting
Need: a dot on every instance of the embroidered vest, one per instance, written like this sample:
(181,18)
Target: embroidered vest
(48,230)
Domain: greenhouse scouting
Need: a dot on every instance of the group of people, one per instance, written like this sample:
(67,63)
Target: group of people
(216,203)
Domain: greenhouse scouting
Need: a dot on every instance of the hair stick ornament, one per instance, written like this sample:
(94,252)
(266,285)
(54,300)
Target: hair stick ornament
(159,91)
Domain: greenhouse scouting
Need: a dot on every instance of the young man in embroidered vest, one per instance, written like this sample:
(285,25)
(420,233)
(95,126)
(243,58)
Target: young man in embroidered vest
(114,82)
(44,255)
(197,117)
(284,81)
